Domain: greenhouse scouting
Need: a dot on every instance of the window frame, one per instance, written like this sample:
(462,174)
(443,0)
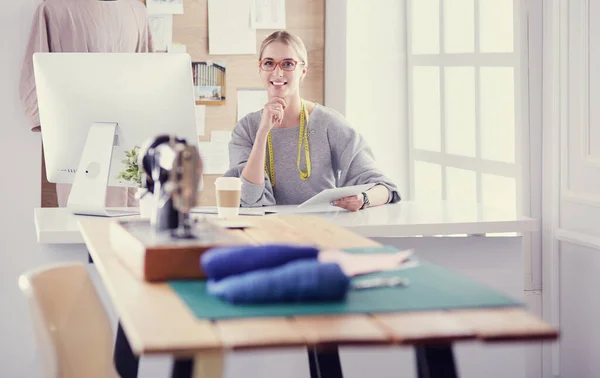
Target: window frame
(517,59)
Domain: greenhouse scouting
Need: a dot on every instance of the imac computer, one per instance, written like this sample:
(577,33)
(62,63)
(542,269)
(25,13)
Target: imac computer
(95,106)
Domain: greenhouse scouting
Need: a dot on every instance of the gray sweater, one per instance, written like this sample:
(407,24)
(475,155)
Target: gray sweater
(339,157)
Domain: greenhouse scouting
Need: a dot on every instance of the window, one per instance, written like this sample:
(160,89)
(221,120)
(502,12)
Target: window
(463,85)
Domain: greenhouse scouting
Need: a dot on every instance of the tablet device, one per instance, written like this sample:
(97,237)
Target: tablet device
(329,195)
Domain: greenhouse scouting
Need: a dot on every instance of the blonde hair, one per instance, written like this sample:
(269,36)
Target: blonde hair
(290,40)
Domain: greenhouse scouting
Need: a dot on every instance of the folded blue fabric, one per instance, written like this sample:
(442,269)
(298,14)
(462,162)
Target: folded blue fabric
(297,281)
(225,261)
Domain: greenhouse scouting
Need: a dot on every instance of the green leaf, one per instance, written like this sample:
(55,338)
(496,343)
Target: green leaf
(131,171)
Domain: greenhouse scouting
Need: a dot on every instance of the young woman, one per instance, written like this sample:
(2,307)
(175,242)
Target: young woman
(293,148)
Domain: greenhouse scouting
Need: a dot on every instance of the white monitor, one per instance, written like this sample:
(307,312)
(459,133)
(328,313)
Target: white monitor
(95,106)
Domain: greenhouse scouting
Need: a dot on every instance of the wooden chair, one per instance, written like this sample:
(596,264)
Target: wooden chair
(72,329)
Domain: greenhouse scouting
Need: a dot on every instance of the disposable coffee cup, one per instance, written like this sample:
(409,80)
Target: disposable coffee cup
(229,191)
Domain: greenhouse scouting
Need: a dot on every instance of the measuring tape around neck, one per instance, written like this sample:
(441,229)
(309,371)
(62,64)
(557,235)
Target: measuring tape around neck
(302,139)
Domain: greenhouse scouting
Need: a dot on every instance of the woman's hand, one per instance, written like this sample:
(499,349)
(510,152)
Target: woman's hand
(272,114)
(351,203)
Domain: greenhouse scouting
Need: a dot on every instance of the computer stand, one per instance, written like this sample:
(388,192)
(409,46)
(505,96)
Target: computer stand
(88,193)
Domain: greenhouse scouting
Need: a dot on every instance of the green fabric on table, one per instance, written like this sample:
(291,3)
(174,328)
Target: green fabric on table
(431,288)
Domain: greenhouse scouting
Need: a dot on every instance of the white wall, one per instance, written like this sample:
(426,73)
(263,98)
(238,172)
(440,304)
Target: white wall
(365,71)
(20,156)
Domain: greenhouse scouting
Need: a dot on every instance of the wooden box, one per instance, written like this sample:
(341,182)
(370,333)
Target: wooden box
(156,256)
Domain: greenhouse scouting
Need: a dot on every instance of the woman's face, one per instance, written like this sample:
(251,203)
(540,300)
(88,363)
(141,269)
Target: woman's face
(277,71)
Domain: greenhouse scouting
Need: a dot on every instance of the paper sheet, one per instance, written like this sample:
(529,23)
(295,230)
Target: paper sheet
(215,154)
(229,31)
(220,136)
(200,118)
(267,14)
(178,48)
(164,6)
(161,27)
(250,100)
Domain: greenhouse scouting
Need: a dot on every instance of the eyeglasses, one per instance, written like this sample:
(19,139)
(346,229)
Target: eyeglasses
(270,64)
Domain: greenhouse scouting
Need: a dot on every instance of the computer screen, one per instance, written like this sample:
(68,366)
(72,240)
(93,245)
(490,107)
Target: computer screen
(143,94)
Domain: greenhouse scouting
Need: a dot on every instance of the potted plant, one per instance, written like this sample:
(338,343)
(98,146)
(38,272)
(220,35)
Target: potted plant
(132,171)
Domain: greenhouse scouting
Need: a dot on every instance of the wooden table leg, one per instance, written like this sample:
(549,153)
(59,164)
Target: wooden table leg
(435,361)
(205,365)
(209,364)
(324,363)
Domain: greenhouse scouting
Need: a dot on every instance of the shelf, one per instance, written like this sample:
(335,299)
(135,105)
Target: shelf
(210,102)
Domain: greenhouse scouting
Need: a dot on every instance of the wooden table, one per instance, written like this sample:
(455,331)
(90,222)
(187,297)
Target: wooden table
(155,320)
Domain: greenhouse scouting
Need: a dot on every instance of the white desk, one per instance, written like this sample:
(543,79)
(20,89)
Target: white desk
(422,218)
(496,261)
(403,219)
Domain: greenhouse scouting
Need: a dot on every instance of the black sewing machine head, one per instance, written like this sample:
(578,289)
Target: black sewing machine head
(172,170)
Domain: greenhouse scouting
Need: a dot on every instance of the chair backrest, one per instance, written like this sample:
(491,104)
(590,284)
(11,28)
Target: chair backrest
(72,329)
